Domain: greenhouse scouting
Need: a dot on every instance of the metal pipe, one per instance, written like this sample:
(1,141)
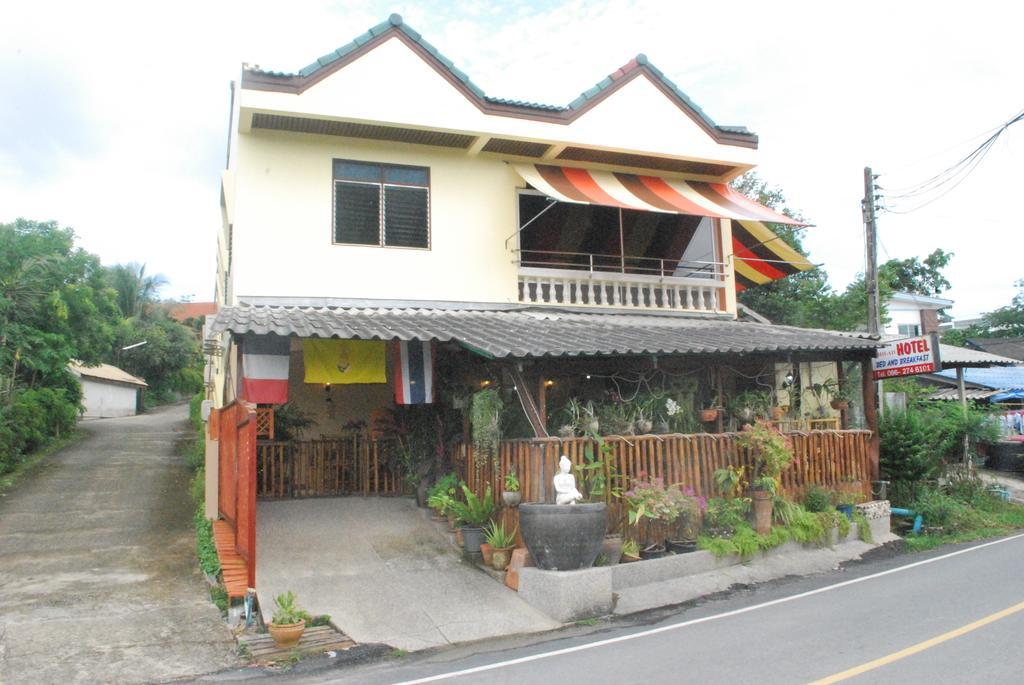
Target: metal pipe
(907,513)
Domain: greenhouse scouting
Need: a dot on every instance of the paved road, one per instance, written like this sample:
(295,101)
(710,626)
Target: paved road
(943,619)
(98,579)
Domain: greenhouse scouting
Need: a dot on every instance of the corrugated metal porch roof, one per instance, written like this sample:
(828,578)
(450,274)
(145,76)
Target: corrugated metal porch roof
(539,333)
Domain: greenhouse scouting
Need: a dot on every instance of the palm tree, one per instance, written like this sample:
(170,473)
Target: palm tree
(135,290)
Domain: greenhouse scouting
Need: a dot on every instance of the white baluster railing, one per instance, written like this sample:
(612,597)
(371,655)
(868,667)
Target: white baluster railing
(625,291)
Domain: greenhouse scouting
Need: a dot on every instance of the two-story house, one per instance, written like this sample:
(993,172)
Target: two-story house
(393,236)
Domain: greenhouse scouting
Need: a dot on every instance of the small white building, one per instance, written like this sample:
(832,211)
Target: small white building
(108,391)
(911,314)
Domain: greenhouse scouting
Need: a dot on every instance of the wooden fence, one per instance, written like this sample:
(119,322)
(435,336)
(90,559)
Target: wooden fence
(351,465)
(831,459)
(234,426)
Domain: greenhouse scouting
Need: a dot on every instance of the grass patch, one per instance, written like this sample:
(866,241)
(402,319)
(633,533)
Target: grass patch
(588,622)
(219,596)
(27,465)
(397,653)
(205,549)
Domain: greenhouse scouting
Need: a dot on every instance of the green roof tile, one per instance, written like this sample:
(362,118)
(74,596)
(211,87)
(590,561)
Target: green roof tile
(395,22)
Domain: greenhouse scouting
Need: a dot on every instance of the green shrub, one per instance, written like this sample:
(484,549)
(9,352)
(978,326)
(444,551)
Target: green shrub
(33,418)
(205,549)
(197,486)
(907,447)
(817,499)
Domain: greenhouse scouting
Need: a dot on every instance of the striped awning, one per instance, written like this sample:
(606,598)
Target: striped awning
(761,256)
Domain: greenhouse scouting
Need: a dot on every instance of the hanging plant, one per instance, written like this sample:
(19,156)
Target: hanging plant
(485,420)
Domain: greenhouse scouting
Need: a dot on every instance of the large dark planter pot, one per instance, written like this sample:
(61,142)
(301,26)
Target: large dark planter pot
(563,537)
(472,538)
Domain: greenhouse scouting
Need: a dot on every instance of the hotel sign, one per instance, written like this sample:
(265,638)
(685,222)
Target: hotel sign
(907,357)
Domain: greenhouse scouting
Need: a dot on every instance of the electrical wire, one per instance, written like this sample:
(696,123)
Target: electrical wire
(915,197)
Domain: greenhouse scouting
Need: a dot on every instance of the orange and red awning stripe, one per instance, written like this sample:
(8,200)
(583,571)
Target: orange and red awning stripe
(761,256)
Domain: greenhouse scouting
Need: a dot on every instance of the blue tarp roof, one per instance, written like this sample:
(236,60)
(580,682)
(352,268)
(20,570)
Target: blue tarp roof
(997,378)
(1007,396)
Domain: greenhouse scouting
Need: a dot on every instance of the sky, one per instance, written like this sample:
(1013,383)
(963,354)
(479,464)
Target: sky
(114,115)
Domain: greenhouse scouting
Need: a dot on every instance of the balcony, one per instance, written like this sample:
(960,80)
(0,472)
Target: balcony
(620,281)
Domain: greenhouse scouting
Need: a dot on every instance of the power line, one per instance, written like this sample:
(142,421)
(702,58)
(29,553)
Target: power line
(939,185)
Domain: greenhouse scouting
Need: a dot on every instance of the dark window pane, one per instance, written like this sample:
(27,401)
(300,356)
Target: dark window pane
(356,171)
(405,217)
(405,175)
(356,213)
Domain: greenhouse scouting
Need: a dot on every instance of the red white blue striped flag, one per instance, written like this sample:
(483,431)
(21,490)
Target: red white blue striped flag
(265,360)
(413,364)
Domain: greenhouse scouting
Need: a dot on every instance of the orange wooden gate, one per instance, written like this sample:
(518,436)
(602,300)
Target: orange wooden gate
(235,427)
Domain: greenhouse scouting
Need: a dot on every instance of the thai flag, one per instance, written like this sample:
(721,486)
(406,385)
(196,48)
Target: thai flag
(265,360)
(413,364)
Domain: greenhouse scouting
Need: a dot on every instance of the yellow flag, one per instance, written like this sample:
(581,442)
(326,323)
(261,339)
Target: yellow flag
(344,361)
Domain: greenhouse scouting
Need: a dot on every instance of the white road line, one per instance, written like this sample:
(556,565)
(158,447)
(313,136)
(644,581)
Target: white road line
(705,619)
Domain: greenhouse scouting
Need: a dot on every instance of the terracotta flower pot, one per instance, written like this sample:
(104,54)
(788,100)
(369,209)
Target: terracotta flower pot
(840,405)
(611,548)
(500,558)
(487,553)
(287,635)
(628,559)
(762,505)
(777,413)
(708,415)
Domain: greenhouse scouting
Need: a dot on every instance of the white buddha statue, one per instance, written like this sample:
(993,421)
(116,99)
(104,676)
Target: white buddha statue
(565,483)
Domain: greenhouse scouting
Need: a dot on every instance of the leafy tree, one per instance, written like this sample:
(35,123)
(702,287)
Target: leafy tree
(916,276)
(54,307)
(171,359)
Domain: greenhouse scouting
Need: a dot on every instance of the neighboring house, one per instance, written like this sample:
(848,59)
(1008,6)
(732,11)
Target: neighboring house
(392,236)
(911,314)
(1006,347)
(187,312)
(108,391)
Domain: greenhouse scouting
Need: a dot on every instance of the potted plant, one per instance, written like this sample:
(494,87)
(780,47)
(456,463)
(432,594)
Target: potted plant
(650,501)
(845,499)
(630,551)
(288,622)
(710,412)
(502,543)
(750,405)
(472,515)
(823,393)
(723,515)
(643,422)
(485,421)
(842,396)
(772,453)
(511,494)
(688,524)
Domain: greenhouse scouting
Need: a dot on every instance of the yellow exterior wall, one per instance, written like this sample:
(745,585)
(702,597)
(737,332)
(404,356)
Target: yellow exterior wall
(283,227)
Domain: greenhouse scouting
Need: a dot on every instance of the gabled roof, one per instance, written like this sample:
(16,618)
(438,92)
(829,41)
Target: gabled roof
(106,372)
(258,79)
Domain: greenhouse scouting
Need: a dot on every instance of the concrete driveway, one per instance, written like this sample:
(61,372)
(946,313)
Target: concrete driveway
(98,578)
(383,572)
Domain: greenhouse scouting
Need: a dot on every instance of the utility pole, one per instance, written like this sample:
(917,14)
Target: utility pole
(871,238)
(869,211)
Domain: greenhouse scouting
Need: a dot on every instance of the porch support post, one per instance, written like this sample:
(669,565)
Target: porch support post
(720,389)
(542,399)
(962,390)
(870,391)
(513,373)
(841,380)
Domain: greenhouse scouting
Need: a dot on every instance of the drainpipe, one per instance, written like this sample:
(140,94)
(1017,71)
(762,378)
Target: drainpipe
(918,519)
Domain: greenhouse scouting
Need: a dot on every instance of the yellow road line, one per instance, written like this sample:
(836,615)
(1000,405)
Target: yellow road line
(919,647)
